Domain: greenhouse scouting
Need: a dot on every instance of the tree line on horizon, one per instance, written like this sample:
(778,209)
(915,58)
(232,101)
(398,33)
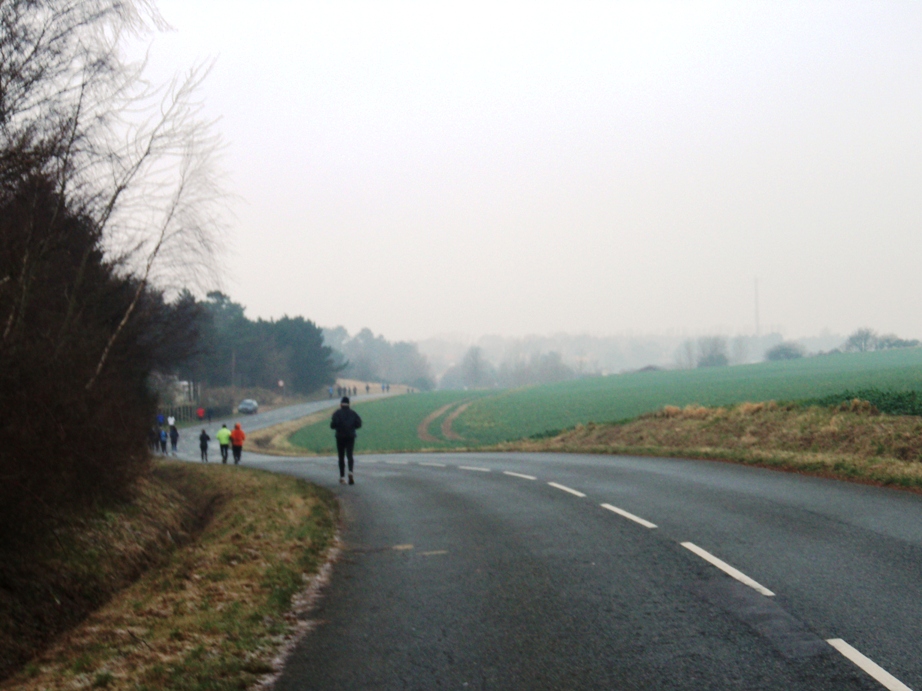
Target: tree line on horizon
(716,351)
(368,357)
(233,350)
(475,371)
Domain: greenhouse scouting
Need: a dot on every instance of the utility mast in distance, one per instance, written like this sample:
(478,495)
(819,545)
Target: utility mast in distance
(758,332)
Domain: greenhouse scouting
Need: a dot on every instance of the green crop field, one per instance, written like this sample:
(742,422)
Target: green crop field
(390,424)
(495,416)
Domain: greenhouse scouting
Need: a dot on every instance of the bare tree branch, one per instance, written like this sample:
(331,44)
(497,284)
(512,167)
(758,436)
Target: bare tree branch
(72,106)
(142,284)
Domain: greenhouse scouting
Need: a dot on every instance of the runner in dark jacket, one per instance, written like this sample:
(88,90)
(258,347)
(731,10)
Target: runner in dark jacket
(174,438)
(203,440)
(345,421)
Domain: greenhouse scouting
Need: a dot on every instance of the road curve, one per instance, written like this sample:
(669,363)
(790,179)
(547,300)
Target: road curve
(553,571)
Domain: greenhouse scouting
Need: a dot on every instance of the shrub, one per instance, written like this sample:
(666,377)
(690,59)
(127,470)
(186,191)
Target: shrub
(786,350)
(891,402)
(712,352)
(66,444)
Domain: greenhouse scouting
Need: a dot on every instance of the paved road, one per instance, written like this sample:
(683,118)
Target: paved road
(279,415)
(188,446)
(460,571)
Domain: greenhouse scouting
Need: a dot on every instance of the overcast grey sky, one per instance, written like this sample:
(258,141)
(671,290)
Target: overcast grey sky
(513,168)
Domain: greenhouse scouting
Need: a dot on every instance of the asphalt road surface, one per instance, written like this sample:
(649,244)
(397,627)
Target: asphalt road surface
(261,420)
(474,571)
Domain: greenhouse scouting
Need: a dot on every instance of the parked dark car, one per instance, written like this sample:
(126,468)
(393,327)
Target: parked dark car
(248,406)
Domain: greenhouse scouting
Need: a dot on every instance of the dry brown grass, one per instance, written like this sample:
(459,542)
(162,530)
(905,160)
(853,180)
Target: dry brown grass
(214,616)
(852,441)
(53,584)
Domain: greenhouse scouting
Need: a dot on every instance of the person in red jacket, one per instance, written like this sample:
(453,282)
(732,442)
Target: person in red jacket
(237,437)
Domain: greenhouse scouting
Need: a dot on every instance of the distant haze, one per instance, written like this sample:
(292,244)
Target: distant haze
(606,168)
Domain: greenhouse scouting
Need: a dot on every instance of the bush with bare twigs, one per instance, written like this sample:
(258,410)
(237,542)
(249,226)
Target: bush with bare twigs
(106,197)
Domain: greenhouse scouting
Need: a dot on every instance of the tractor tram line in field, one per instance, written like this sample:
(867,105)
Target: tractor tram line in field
(878,673)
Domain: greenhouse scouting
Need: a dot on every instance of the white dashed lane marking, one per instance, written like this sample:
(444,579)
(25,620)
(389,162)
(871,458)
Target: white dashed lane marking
(882,676)
(877,672)
(567,489)
(524,477)
(727,569)
(629,516)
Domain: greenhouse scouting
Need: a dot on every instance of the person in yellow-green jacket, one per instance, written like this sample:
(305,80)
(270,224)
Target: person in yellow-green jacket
(224,439)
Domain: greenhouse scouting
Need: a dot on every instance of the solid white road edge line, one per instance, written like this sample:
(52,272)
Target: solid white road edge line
(524,477)
(881,675)
(727,569)
(433,465)
(473,467)
(629,516)
(567,489)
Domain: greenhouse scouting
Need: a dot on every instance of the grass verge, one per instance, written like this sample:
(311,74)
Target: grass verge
(216,610)
(850,442)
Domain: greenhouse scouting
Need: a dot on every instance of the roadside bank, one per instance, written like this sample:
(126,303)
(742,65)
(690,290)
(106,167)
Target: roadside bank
(209,606)
(852,441)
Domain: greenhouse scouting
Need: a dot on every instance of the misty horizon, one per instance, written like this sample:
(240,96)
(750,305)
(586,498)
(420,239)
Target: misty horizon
(602,168)
(591,355)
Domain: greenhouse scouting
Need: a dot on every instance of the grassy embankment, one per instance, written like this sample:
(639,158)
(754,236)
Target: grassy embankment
(215,554)
(851,441)
(494,417)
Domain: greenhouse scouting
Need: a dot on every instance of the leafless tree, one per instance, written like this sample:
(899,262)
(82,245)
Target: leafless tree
(138,161)
(108,202)
(685,355)
(861,340)
(712,351)
(160,218)
(739,350)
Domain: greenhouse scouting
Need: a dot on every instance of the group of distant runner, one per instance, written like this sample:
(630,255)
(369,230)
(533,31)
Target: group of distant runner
(354,390)
(165,430)
(344,422)
(228,440)
(158,435)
